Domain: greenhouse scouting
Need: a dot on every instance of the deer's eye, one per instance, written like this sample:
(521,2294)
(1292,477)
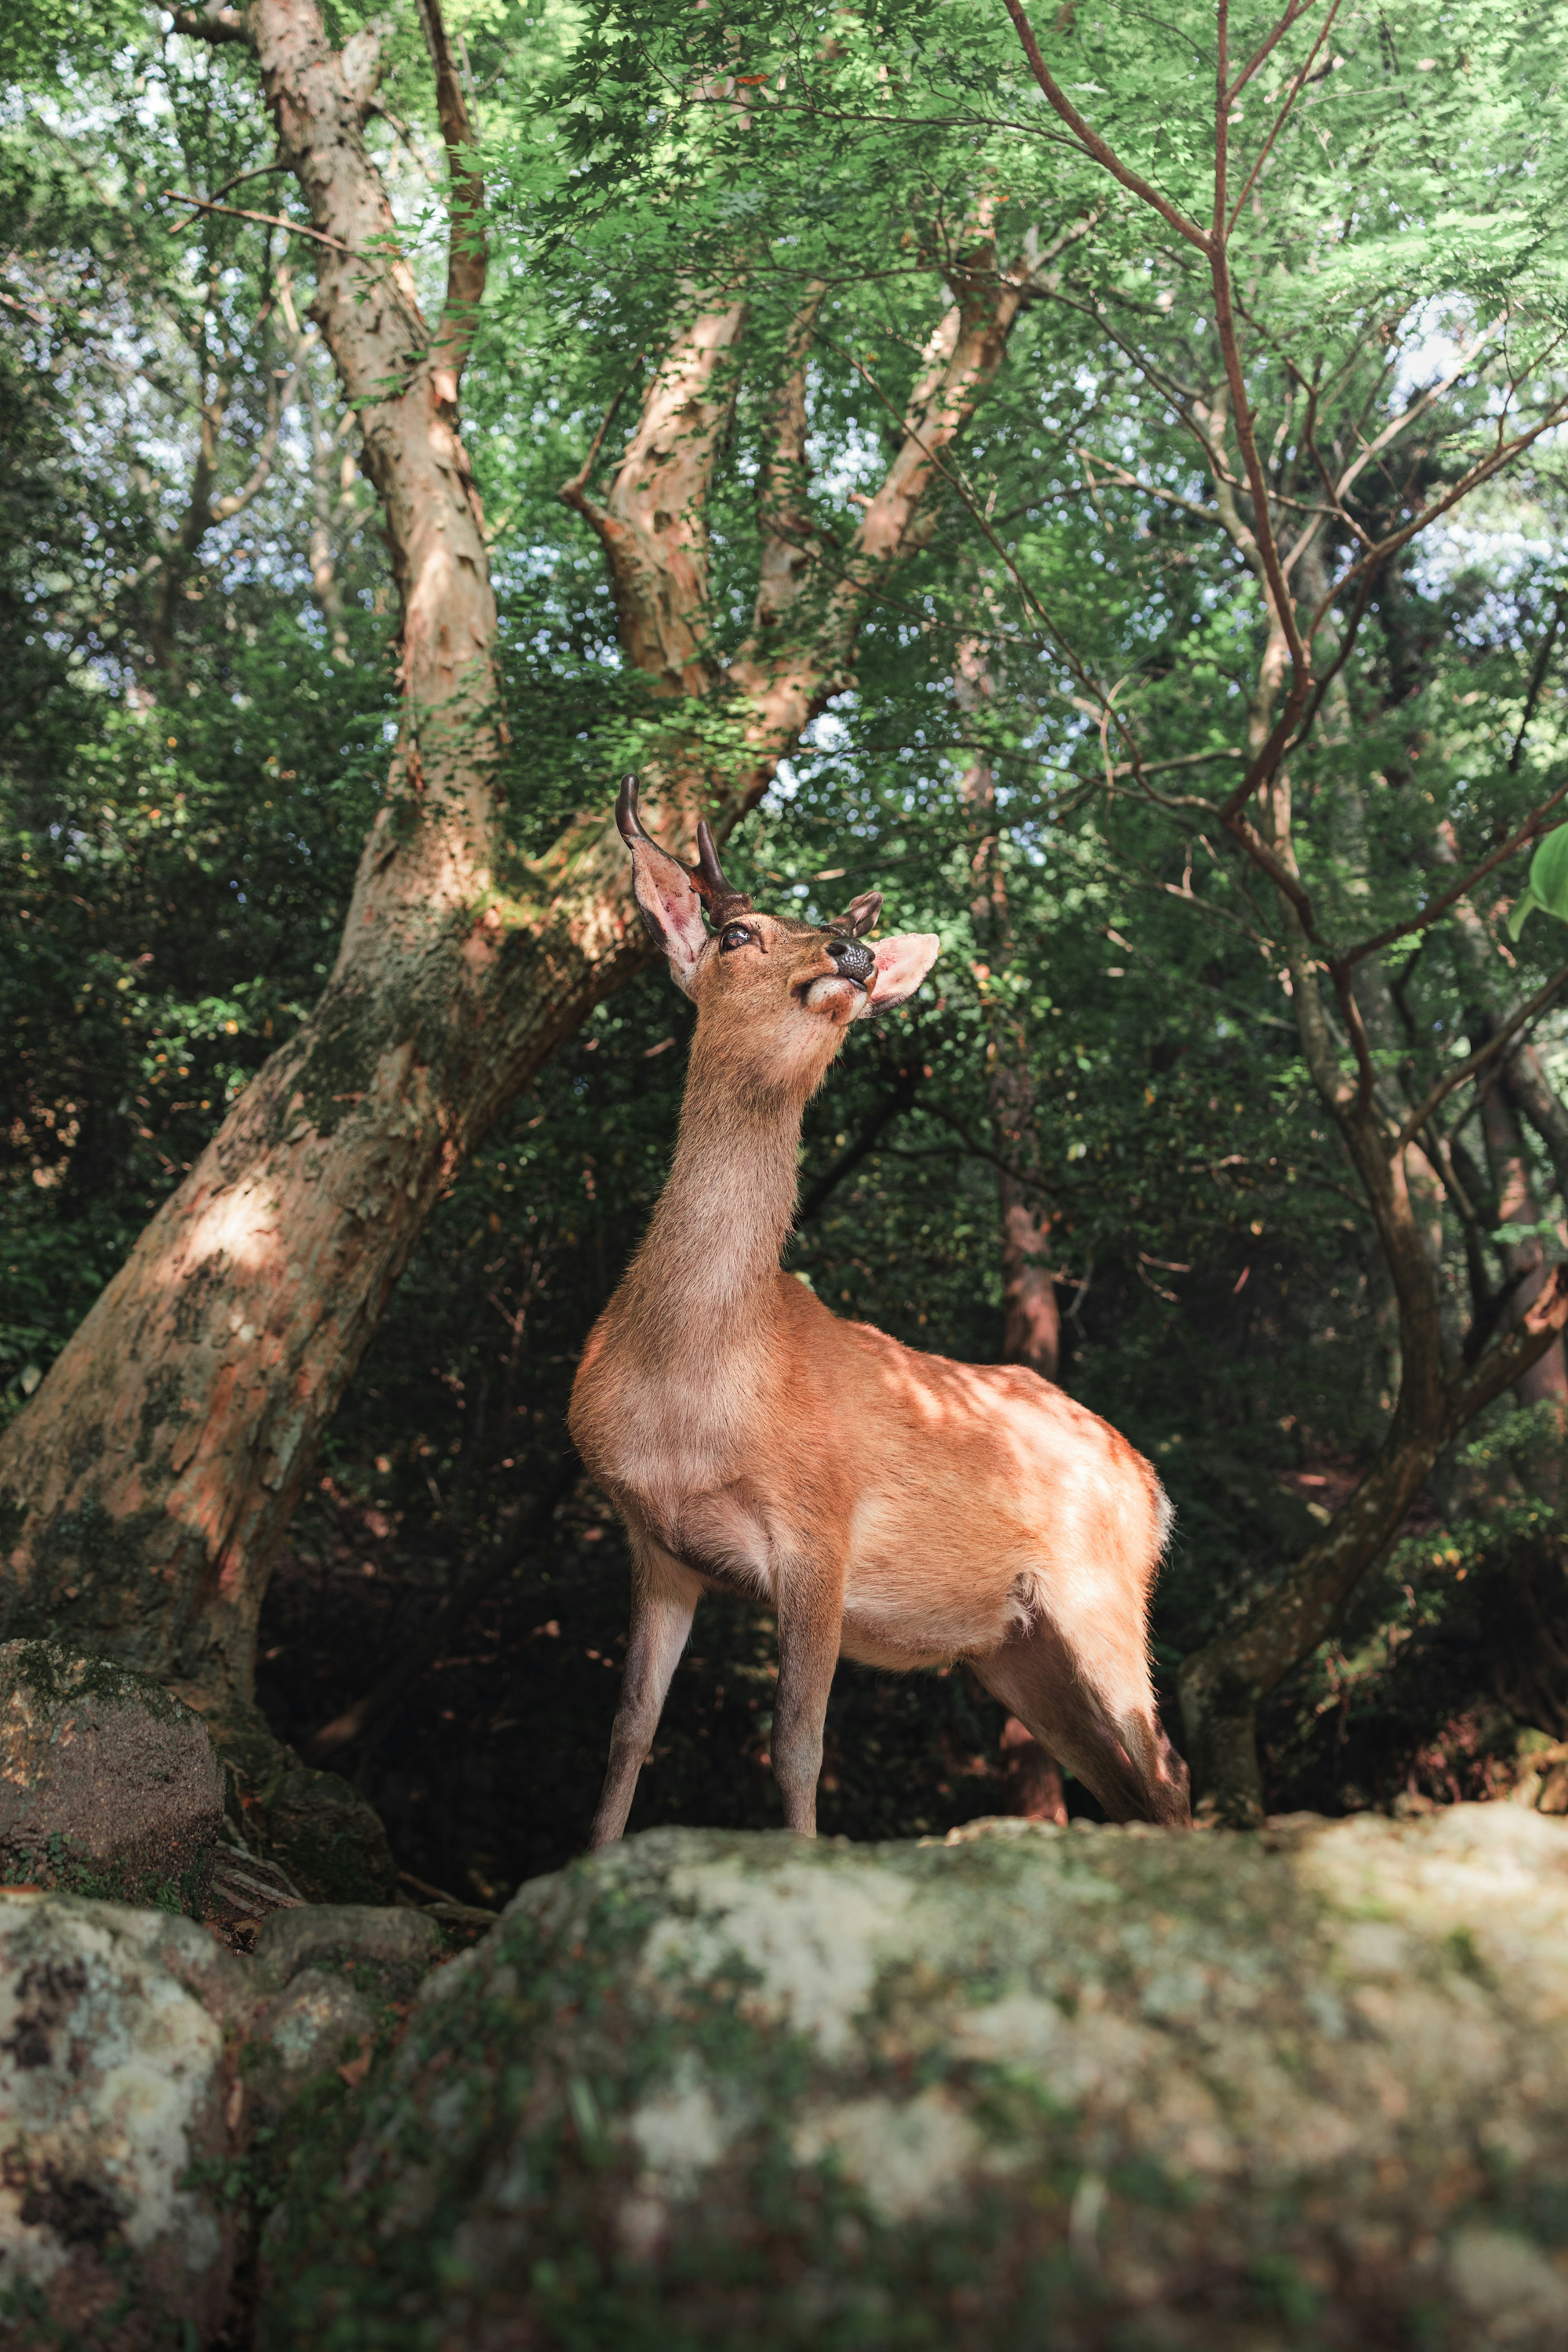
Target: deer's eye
(735,935)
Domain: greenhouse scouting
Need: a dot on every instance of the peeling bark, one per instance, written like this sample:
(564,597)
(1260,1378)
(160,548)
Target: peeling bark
(145,1488)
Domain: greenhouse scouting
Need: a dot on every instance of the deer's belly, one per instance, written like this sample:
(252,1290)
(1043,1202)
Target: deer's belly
(927,1584)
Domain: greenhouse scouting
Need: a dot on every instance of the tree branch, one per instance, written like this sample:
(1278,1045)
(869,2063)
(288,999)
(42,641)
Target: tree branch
(213,23)
(268,220)
(225,508)
(1092,142)
(467,248)
(1459,889)
(1478,1060)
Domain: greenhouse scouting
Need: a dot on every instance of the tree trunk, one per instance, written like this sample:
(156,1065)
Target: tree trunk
(1524,1262)
(1222,1686)
(145,1488)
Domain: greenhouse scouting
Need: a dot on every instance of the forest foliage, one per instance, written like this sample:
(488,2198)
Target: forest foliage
(197,623)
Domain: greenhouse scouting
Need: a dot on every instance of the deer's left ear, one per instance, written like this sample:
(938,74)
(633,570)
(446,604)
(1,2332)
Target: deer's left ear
(901,964)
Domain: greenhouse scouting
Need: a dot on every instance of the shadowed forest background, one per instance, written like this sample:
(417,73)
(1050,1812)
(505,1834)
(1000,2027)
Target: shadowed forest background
(1124,1131)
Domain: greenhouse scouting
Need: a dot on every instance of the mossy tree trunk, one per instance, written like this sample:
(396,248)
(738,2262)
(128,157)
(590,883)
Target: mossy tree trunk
(145,1488)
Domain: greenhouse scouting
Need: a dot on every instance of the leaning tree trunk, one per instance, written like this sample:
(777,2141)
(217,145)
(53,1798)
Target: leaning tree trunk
(145,1488)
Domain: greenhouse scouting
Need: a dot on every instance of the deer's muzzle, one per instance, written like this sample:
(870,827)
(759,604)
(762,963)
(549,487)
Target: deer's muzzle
(851,960)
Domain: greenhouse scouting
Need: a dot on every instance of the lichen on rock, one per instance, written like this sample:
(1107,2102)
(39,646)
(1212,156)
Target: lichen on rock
(1024,2084)
(116,2098)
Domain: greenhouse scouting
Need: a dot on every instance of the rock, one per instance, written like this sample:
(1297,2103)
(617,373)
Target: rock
(1211,2093)
(326,1838)
(316,2022)
(115,2092)
(389,1951)
(313,1826)
(108,1783)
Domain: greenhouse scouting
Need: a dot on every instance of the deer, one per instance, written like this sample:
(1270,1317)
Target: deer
(886,1505)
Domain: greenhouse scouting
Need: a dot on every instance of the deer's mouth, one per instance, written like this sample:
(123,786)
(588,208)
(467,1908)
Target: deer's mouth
(838,992)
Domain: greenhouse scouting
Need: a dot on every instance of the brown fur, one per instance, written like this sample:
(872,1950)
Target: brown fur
(890,1507)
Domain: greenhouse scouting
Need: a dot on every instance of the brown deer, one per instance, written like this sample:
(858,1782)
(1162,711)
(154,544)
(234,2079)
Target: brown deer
(887,1505)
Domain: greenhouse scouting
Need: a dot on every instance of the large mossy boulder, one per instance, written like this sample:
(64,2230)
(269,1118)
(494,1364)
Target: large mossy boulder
(1026,2087)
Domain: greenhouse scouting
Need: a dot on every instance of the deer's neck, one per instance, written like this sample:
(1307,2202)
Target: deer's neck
(709,1263)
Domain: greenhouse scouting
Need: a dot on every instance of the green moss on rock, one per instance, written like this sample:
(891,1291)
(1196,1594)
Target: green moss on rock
(1075,2088)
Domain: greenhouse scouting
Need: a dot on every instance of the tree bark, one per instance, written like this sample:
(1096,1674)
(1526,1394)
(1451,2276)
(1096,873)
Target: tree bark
(1524,1262)
(145,1489)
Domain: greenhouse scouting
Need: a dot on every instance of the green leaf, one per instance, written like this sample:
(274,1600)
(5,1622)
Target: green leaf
(1523,907)
(1549,874)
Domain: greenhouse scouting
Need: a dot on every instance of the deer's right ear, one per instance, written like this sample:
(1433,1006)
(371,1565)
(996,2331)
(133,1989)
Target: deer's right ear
(667,897)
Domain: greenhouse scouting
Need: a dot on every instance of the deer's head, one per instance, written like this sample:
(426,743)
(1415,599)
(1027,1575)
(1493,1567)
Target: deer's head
(783,993)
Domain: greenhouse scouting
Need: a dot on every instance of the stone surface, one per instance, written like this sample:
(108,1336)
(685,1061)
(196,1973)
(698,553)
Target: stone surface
(318,2021)
(117,2104)
(331,1843)
(314,1826)
(106,1782)
(387,1950)
(1027,2086)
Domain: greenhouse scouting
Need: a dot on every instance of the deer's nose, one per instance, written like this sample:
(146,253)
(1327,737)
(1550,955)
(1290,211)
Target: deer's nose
(854,962)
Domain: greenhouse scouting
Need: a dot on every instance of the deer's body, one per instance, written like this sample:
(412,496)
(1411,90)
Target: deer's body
(892,1507)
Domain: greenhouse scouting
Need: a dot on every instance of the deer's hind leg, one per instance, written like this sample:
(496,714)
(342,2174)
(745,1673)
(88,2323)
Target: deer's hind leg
(1090,1702)
(664,1601)
(809,1597)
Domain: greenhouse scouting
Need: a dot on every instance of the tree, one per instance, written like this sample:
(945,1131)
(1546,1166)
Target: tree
(168,1445)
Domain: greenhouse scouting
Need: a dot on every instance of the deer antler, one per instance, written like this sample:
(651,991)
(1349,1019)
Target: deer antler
(720,901)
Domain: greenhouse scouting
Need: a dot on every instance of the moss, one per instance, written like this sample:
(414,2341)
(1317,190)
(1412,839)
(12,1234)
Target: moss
(812,2020)
(90,1548)
(59,1866)
(60,1674)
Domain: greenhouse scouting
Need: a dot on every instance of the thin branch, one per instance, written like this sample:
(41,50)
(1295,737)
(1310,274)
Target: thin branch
(575,493)
(1538,679)
(1477,1061)
(262,172)
(892,1107)
(1091,140)
(268,220)
(1408,417)
(1298,82)
(467,256)
(1445,899)
(226,508)
(1483,471)
(1270,41)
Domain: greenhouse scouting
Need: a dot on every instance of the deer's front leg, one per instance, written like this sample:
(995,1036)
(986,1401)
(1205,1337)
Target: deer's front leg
(810,1603)
(664,1600)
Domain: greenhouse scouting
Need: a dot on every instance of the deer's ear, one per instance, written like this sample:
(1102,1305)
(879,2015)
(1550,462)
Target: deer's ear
(901,964)
(670,906)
